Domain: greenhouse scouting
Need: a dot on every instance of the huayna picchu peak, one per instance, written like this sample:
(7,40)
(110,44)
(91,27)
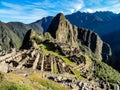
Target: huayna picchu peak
(66,57)
(63,31)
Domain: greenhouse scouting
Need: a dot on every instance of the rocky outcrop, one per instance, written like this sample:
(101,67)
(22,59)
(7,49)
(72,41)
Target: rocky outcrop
(94,42)
(63,31)
(106,52)
(29,40)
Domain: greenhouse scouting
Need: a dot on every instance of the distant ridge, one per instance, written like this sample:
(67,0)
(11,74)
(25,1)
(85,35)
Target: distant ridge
(12,33)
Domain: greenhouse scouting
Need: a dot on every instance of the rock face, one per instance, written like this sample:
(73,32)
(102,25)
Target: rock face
(106,52)
(29,41)
(63,31)
(93,41)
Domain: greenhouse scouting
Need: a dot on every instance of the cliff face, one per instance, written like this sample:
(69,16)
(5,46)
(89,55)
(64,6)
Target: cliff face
(64,32)
(106,52)
(93,41)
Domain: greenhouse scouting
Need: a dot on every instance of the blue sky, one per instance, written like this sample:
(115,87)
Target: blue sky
(28,11)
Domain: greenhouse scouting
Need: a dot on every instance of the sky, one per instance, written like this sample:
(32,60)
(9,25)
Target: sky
(28,11)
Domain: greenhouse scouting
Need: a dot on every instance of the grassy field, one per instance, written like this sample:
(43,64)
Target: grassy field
(46,83)
(13,81)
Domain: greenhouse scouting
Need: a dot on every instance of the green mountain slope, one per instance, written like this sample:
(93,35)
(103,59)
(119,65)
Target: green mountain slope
(8,39)
(12,33)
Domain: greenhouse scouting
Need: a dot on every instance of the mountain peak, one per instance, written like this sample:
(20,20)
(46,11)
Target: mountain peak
(62,30)
(30,33)
(28,41)
(55,23)
(60,16)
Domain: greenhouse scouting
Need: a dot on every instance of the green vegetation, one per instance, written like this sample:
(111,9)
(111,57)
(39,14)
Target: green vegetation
(54,68)
(13,86)
(46,51)
(1,76)
(46,83)
(8,38)
(37,39)
(106,73)
(47,36)
(34,81)
(102,70)
(8,82)
(77,74)
(66,60)
(86,51)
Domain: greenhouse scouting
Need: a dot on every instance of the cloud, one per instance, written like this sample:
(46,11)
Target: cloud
(34,10)
(77,6)
(66,6)
(74,6)
(9,5)
(101,5)
(45,4)
(114,8)
(72,10)
(27,13)
(89,10)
